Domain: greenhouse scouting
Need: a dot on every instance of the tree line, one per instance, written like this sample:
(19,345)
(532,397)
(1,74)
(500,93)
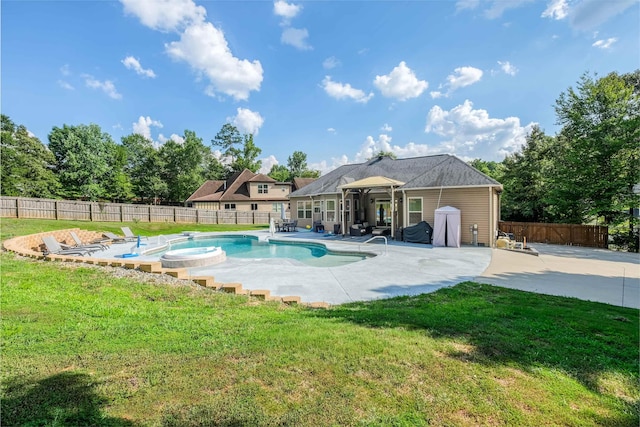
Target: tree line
(83,162)
(588,172)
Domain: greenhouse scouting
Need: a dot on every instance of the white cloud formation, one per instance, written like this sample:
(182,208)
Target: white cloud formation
(65,85)
(386,128)
(325,167)
(286,11)
(371,147)
(508,68)
(205,49)
(247,121)
(330,62)
(472,133)
(65,70)
(498,7)
(143,127)
(134,64)
(106,86)
(165,15)
(605,44)
(296,37)
(331,130)
(267,163)
(589,14)
(463,76)
(177,139)
(556,9)
(340,91)
(401,83)
(466,4)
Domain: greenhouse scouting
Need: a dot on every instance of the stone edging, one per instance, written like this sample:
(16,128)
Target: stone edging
(31,246)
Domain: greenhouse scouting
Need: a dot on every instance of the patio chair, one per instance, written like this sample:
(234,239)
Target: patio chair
(79,244)
(129,234)
(54,247)
(114,238)
(293,226)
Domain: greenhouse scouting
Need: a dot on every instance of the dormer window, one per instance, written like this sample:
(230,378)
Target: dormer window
(263,188)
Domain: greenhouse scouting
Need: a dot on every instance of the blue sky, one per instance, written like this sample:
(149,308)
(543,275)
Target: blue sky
(339,81)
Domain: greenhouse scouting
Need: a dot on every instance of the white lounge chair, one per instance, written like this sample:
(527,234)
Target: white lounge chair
(129,234)
(79,244)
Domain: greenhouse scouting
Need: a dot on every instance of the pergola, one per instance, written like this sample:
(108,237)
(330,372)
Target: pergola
(370,183)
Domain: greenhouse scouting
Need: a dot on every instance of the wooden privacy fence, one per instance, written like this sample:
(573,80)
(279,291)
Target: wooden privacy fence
(19,207)
(596,236)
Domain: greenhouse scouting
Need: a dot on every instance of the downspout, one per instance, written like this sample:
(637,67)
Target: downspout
(392,212)
(491,231)
(404,208)
(343,211)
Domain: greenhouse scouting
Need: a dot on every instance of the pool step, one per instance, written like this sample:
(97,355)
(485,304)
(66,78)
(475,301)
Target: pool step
(178,273)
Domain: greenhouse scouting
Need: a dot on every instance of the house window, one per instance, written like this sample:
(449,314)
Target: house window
(263,188)
(304,210)
(331,210)
(229,206)
(415,210)
(276,207)
(347,212)
(254,206)
(317,207)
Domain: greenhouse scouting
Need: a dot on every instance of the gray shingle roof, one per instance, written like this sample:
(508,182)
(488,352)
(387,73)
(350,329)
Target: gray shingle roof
(417,172)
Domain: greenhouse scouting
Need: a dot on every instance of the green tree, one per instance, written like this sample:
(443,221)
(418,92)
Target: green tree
(280,173)
(297,164)
(185,166)
(84,158)
(599,154)
(144,167)
(490,168)
(383,153)
(27,164)
(118,185)
(246,157)
(525,176)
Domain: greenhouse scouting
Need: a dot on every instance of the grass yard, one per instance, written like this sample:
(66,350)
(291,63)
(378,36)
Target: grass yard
(82,347)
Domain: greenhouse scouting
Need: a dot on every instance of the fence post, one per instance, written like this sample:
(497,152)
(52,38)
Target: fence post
(90,211)
(18,211)
(121,214)
(197,216)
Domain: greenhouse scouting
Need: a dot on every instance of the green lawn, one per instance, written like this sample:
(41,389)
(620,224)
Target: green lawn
(81,347)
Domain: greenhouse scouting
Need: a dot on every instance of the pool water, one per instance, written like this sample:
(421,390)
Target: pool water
(250,247)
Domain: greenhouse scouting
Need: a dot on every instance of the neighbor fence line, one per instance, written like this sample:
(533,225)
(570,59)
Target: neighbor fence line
(596,236)
(22,207)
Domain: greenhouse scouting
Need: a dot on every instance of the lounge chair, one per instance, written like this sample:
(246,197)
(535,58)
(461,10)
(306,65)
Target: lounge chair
(54,247)
(115,238)
(96,245)
(360,229)
(129,234)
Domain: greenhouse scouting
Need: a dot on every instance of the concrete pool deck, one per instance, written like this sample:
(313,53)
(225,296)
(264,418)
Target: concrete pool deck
(409,269)
(399,269)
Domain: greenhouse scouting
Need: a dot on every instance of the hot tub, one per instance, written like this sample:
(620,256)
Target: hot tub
(193,257)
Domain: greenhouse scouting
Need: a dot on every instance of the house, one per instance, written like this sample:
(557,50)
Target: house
(244,191)
(394,193)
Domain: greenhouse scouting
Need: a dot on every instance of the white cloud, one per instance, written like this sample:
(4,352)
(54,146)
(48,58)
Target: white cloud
(508,68)
(247,121)
(386,128)
(267,163)
(401,83)
(340,91)
(330,62)
(177,139)
(466,4)
(436,94)
(589,14)
(106,86)
(470,132)
(325,167)
(463,76)
(371,147)
(134,64)
(65,85)
(165,15)
(498,7)
(65,70)
(556,9)
(331,130)
(296,37)
(286,10)
(605,44)
(205,49)
(143,127)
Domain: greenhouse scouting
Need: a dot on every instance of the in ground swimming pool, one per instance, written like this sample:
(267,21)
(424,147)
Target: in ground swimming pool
(313,254)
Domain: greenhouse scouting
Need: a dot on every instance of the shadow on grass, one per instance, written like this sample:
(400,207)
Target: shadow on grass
(66,399)
(583,339)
